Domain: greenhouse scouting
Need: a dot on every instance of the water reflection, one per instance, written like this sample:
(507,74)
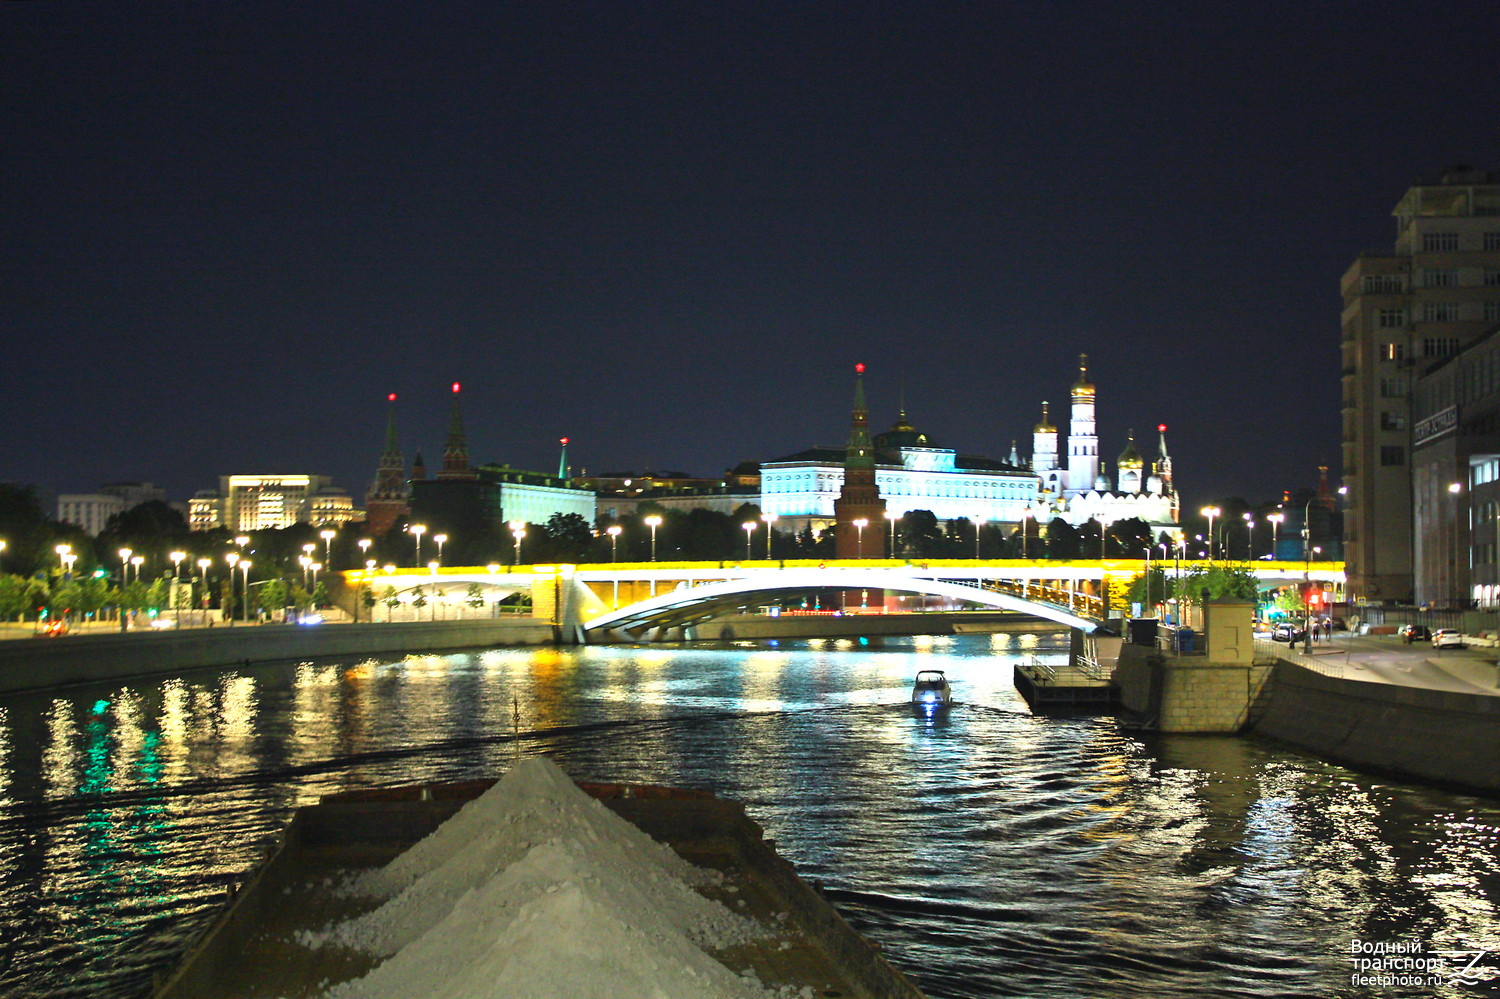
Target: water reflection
(992,853)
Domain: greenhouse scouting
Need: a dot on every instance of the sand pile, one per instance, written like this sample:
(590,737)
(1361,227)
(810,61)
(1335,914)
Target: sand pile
(537,889)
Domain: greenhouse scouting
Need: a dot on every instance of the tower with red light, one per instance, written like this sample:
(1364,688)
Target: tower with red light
(859,498)
(388,499)
(456,449)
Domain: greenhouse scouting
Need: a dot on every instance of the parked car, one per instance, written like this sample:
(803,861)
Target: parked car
(1447,638)
(1414,632)
(1289,633)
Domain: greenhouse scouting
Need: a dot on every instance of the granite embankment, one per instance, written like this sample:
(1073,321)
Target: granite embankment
(1445,737)
(38,663)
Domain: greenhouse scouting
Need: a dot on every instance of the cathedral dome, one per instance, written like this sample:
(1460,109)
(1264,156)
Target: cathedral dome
(1130,457)
(1045,427)
(902,434)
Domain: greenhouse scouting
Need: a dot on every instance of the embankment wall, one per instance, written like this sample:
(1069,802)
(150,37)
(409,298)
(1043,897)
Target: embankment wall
(32,664)
(1443,737)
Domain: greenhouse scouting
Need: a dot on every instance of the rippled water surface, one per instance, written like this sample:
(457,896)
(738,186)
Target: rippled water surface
(989,852)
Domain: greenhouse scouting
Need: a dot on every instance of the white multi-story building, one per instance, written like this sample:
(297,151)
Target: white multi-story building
(91,511)
(265,502)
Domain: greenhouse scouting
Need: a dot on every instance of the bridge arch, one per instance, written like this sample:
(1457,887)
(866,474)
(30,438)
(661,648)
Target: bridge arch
(693,605)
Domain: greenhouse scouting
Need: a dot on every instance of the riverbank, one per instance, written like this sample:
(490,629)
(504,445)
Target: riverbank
(41,663)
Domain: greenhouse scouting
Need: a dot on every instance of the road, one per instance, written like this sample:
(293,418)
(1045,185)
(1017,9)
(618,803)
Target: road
(1386,659)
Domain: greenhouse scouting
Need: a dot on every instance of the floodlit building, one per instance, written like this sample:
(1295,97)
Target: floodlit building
(1406,311)
(91,511)
(267,502)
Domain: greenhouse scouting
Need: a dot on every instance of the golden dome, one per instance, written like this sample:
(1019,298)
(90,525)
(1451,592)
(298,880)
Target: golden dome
(1045,427)
(1130,457)
(1083,387)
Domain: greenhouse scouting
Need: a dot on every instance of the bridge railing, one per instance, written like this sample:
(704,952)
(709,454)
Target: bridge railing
(1083,673)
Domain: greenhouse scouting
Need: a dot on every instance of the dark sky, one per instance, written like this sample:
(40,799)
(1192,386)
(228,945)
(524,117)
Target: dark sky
(667,230)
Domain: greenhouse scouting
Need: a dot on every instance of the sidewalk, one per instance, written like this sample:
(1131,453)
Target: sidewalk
(1385,659)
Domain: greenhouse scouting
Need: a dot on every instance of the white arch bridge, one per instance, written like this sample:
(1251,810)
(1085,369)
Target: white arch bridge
(644,601)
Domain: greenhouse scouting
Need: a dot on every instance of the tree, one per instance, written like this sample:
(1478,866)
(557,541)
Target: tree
(920,536)
(1133,536)
(566,537)
(474,596)
(1062,539)
(320,594)
(274,592)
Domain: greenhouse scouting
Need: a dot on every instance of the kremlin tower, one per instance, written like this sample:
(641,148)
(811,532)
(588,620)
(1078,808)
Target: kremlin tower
(387,499)
(456,450)
(859,499)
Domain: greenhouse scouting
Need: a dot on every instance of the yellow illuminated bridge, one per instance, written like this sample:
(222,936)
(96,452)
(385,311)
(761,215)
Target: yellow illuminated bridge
(630,600)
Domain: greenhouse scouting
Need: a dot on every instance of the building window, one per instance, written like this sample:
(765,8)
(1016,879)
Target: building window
(1375,283)
(1392,421)
(1436,278)
(1492,241)
(1392,454)
(1439,346)
(1391,319)
(1440,312)
(1393,388)
(1436,242)
(1393,351)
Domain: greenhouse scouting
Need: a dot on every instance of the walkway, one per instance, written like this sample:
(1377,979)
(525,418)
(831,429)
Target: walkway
(1386,659)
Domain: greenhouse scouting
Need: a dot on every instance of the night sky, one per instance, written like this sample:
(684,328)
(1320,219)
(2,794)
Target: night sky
(668,230)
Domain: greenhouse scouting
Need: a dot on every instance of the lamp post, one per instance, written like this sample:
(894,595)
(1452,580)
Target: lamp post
(770,519)
(859,536)
(203,564)
(749,527)
(1025,542)
(233,559)
(1148,581)
(892,516)
(518,531)
(245,568)
(304,561)
(416,531)
(440,538)
(135,560)
(124,554)
(315,567)
(177,558)
(1249,537)
(613,530)
(327,534)
(653,522)
(1454,488)
(978,519)
(1210,512)
(1275,519)
(364,547)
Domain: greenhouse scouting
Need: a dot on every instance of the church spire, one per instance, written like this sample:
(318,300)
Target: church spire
(860,451)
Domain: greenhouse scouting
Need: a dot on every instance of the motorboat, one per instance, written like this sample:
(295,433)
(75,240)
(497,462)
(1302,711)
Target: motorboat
(931,691)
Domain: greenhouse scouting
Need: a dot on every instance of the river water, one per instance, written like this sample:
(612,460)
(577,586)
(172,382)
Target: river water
(991,853)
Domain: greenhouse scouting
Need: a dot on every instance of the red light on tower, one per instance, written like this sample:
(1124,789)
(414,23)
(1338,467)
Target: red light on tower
(1161,428)
(859,369)
(455,388)
(391,397)
(563,441)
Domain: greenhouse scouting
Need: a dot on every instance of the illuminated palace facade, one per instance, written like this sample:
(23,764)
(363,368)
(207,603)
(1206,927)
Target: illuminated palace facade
(913,472)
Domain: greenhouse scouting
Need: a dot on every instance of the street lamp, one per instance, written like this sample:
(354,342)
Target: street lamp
(1454,488)
(749,527)
(978,519)
(613,530)
(859,536)
(328,534)
(1210,512)
(892,516)
(1275,519)
(653,522)
(770,519)
(1249,536)
(364,547)
(125,554)
(233,559)
(416,531)
(135,561)
(1025,546)
(315,567)
(177,558)
(518,530)
(203,564)
(440,538)
(245,568)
